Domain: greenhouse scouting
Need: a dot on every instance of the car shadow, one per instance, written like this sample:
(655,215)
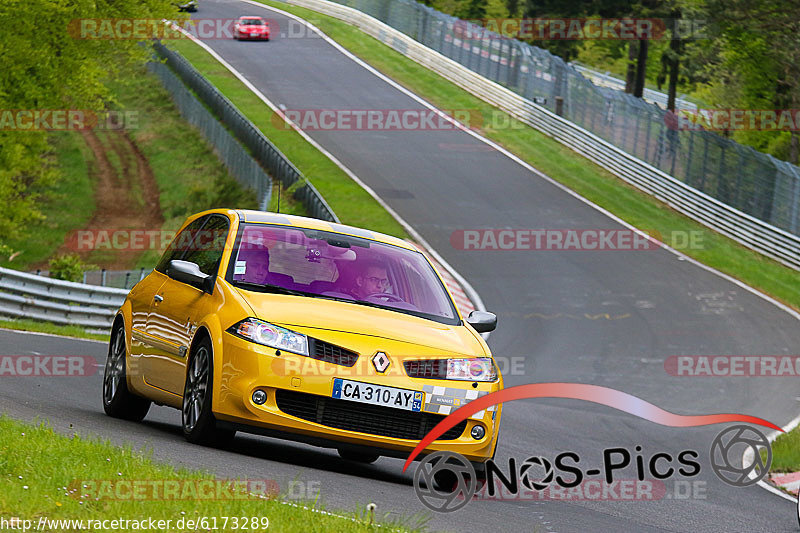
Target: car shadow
(287,452)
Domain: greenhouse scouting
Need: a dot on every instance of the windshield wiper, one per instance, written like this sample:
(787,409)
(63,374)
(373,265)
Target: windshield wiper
(265,287)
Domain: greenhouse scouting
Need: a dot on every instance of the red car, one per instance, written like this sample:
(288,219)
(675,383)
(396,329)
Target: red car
(251,28)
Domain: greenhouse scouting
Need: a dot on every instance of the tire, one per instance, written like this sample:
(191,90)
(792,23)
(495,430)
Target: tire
(445,480)
(480,473)
(366,458)
(118,401)
(197,420)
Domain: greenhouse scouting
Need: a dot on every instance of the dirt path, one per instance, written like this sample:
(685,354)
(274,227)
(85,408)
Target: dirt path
(126,199)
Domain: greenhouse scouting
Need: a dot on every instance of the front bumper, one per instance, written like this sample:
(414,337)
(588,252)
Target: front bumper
(299,405)
(253,36)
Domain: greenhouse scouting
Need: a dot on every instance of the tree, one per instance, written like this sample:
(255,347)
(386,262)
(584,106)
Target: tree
(471,10)
(46,67)
(760,57)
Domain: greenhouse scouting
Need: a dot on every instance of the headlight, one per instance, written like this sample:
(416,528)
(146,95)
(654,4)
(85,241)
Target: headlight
(261,332)
(477,369)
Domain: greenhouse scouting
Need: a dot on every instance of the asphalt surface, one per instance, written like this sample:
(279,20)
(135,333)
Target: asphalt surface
(607,318)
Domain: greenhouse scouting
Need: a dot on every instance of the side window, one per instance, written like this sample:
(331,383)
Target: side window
(180,244)
(208,245)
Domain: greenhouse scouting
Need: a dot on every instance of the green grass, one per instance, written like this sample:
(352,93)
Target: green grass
(564,165)
(54,329)
(348,200)
(786,452)
(68,205)
(45,474)
(190,177)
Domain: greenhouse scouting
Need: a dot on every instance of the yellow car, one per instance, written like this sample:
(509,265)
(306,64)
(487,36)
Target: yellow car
(303,329)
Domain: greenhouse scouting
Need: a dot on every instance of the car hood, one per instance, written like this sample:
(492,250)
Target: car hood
(304,314)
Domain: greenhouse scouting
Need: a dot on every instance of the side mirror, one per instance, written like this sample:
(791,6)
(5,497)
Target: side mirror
(482,321)
(189,273)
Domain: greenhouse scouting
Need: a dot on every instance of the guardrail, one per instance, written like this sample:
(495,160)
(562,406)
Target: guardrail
(756,234)
(262,149)
(24,295)
(36,297)
(234,156)
(650,95)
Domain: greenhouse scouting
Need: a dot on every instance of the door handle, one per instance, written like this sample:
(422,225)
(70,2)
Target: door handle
(158,298)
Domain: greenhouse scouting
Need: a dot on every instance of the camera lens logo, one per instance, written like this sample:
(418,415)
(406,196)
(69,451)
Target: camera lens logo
(449,481)
(740,443)
(525,473)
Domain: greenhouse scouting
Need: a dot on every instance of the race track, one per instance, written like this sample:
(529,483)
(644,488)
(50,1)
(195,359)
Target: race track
(607,318)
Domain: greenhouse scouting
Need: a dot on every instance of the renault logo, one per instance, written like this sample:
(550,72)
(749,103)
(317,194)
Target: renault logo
(381,362)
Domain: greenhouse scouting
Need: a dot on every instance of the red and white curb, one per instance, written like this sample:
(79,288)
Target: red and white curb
(788,481)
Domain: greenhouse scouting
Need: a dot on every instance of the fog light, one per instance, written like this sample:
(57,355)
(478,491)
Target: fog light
(478,432)
(259,397)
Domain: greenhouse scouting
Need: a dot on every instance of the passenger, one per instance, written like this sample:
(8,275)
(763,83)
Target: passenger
(256,265)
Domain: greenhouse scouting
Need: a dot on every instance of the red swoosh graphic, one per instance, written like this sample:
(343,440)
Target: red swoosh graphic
(580,391)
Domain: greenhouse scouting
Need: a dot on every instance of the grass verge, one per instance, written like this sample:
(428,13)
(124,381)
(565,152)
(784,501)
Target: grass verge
(565,166)
(786,452)
(53,329)
(44,475)
(69,204)
(189,175)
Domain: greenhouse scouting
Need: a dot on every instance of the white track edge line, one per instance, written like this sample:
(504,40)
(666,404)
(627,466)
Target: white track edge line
(681,256)
(468,288)
(519,161)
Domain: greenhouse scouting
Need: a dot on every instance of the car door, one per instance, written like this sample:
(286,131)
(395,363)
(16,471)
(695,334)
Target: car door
(177,308)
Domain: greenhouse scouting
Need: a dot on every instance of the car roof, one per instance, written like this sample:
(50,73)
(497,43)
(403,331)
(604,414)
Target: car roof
(251,17)
(267,217)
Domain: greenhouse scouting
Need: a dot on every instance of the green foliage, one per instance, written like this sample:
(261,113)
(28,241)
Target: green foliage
(471,10)
(46,65)
(224,191)
(68,267)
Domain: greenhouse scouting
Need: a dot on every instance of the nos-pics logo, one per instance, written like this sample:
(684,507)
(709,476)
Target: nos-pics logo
(446,481)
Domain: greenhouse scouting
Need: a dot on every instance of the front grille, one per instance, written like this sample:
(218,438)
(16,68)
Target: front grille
(365,418)
(330,353)
(427,368)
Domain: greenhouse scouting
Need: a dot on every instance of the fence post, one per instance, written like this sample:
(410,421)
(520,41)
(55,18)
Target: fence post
(103,277)
(560,106)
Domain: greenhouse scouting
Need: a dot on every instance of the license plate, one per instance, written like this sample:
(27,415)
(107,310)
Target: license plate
(355,391)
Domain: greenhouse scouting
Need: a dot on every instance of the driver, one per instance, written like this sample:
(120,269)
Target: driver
(372,280)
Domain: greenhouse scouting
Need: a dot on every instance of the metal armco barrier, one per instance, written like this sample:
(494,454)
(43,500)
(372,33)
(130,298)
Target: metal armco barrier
(239,163)
(35,297)
(781,199)
(262,149)
(656,97)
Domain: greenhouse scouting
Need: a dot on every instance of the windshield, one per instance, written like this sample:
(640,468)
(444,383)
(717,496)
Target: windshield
(331,265)
(252,22)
